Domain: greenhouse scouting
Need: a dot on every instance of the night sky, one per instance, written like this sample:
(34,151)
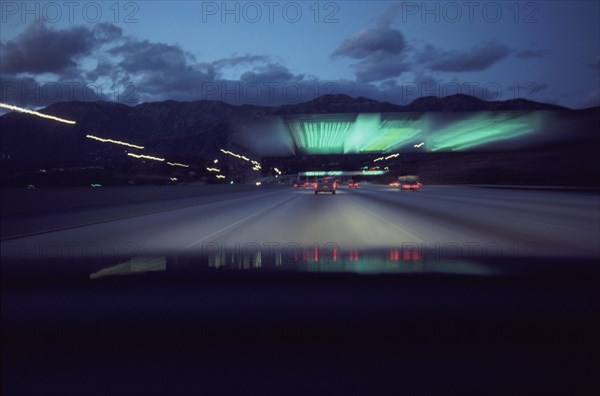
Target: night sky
(272,53)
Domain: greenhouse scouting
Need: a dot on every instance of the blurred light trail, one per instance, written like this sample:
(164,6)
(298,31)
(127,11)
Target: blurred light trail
(35,113)
(387,157)
(178,164)
(103,140)
(231,153)
(145,157)
(256,165)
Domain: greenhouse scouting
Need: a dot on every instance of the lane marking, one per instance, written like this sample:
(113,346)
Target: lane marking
(237,223)
(125,217)
(389,222)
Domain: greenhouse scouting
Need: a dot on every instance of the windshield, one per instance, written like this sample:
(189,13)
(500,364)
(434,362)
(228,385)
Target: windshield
(240,143)
(165,146)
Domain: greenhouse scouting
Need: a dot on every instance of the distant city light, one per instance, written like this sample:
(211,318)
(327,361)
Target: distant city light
(35,113)
(178,164)
(231,153)
(256,165)
(103,140)
(145,157)
(386,158)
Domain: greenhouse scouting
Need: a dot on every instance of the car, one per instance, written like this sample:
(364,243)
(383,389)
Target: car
(352,184)
(326,186)
(410,186)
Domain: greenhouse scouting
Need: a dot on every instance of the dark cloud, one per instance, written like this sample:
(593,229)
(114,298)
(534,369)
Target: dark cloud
(379,51)
(388,16)
(140,56)
(268,73)
(158,71)
(479,57)
(530,53)
(380,67)
(40,49)
(104,68)
(106,32)
(370,41)
(27,91)
(240,60)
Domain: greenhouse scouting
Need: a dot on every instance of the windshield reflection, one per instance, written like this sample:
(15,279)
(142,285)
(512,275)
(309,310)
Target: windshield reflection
(327,259)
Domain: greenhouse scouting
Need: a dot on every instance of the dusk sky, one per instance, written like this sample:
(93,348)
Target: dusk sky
(273,53)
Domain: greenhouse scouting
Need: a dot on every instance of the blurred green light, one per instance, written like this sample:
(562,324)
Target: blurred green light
(388,132)
(482,128)
(323,134)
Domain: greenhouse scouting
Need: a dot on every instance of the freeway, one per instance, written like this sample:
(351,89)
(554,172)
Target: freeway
(448,221)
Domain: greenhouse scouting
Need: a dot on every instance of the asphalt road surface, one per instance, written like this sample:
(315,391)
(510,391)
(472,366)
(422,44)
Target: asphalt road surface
(453,221)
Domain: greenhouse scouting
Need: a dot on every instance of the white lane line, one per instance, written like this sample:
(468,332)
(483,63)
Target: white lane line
(235,224)
(148,212)
(404,230)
